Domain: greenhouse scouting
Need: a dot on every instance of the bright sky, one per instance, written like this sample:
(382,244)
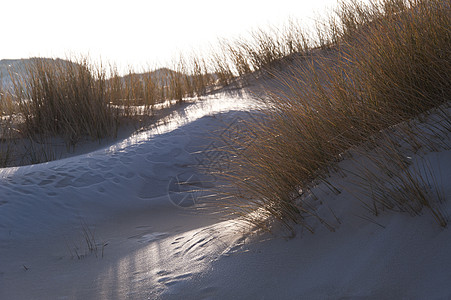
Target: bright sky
(136,33)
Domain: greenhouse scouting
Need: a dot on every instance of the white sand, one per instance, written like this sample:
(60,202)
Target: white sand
(153,248)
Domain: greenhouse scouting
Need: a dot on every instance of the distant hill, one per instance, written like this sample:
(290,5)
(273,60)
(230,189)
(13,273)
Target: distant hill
(16,65)
(9,64)
(158,75)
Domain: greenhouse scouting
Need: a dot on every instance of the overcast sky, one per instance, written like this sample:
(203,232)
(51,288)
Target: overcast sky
(135,32)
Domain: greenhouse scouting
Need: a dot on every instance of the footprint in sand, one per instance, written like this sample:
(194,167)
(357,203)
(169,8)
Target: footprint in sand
(111,161)
(65,181)
(78,169)
(86,179)
(161,143)
(125,160)
(45,182)
(126,175)
(99,165)
(48,180)
(37,174)
(25,181)
(142,150)
(157,188)
(146,174)
(164,157)
(24,191)
(109,175)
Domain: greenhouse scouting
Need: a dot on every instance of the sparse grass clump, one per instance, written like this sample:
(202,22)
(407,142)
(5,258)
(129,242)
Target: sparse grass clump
(65,98)
(261,51)
(186,78)
(8,110)
(394,180)
(88,244)
(386,62)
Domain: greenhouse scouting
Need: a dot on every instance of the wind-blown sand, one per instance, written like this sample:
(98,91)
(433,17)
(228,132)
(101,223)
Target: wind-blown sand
(150,245)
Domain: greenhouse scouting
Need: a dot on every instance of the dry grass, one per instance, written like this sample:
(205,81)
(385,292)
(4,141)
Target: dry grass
(64,98)
(7,130)
(395,173)
(260,51)
(188,77)
(386,62)
(76,99)
(394,181)
(88,244)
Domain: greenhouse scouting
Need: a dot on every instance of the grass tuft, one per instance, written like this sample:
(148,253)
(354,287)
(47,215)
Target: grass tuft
(64,98)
